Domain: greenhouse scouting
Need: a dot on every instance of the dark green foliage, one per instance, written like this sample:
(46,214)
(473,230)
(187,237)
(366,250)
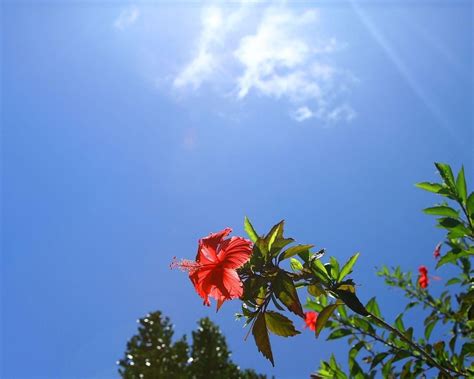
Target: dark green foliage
(151,354)
(398,351)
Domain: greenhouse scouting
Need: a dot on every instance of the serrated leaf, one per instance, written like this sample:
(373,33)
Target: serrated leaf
(347,268)
(292,251)
(262,340)
(248,227)
(295,265)
(461,186)
(323,317)
(285,291)
(280,325)
(431,187)
(441,210)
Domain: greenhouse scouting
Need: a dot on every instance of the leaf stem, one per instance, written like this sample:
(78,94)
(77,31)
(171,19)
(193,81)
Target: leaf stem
(416,347)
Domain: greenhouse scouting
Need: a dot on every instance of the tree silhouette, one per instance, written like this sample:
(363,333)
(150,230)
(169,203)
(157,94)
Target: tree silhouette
(151,354)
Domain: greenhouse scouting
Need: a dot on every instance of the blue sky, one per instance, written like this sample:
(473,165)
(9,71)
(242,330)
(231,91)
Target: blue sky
(130,130)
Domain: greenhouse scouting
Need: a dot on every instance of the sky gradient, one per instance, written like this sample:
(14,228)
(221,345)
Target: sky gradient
(131,130)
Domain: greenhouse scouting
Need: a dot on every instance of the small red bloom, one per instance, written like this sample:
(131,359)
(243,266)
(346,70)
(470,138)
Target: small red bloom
(310,320)
(437,251)
(214,274)
(423,277)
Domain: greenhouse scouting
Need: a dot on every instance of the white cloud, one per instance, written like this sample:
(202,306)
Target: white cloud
(126,18)
(275,47)
(281,57)
(302,113)
(343,112)
(215,26)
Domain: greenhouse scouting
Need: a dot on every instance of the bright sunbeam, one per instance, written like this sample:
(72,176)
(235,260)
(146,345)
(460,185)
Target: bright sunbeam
(405,72)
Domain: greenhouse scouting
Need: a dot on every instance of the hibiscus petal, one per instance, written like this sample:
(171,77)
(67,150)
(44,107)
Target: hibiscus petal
(232,283)
(234,252)
(202,281)
(209,246)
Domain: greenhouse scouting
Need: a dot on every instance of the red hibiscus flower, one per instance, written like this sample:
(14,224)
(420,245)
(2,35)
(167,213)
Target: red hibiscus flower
(437,251)
(423,277)
(310,320)
(214,274)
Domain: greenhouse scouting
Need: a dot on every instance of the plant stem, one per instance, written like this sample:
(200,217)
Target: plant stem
(416,347)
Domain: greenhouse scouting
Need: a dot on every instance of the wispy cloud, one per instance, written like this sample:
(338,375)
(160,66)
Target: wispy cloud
(273,52)
(127,17)
(302,113)
(216,24)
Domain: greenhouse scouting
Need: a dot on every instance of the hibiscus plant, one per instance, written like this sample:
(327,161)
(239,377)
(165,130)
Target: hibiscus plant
(255,271)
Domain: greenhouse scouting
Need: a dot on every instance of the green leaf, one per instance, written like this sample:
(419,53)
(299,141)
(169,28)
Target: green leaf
(275,232)
(453,281)
(441,210)
(262,246)
(280,325)
(339,333)
(279,244)
(350,299)
(313,305)
(295,265)
(250,230)
(387,369)
(401,355)
(399,323)
(452,257)
(285,291)
(377,359)
(347,268)
(373,307)
(262,340)
(429,328)
(342,311)
(334,267)
(293,251)
(257,257)
(323,317)
(319,270)
(449,222)
(363,324)
(467,349)
(447,175)
(406,370)
(470,205)
(431,187)
(316,290)
(461,186)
